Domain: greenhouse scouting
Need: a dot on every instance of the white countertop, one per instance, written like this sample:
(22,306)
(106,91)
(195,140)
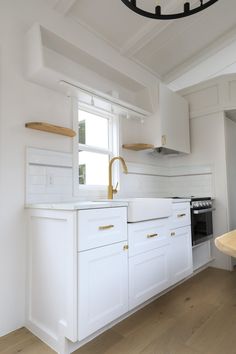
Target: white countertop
(89,204)
(76,205)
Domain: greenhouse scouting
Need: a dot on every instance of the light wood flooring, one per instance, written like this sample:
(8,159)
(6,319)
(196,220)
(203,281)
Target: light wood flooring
(197,317)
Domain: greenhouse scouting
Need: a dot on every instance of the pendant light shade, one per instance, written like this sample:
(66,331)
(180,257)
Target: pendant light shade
(157,14)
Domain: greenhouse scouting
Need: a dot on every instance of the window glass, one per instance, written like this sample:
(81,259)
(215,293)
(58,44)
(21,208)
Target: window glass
(93,130)
(93,168)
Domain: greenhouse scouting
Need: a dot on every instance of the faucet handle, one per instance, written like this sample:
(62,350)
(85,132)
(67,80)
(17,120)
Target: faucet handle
(115,189)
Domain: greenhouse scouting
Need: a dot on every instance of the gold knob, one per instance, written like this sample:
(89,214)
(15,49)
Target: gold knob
(181,215)
(126,247)
(152,235)
(105,227)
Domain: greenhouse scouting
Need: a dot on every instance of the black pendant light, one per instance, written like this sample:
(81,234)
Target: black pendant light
(187,10)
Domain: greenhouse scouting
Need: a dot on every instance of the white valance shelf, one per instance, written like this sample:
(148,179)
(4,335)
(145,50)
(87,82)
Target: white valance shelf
(52,60)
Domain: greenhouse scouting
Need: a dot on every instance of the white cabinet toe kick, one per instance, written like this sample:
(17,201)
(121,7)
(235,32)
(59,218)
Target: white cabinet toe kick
(89,269)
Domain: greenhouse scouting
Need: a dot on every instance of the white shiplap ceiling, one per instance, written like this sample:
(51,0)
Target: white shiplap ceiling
(171,50)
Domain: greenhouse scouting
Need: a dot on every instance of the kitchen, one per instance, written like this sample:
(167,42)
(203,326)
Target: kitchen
(47,42)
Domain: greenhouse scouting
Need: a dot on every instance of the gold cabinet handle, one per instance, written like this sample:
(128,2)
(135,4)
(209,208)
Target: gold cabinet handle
(106,227)
(152,235)
(172,234)
(181,215)
(125,248)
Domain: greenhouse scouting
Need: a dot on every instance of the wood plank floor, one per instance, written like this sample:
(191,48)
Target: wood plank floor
(197,317)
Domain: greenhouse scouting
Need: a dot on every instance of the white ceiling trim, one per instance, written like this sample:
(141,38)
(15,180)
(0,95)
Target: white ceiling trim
(93,31)
(221,43)
(64,6)
(103,38)
(148,32)
(143,37)
(147,68)
(208,69)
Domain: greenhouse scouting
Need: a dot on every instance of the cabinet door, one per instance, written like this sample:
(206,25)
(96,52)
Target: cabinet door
(148,275)
(181,254)
(174,116)
(102,287)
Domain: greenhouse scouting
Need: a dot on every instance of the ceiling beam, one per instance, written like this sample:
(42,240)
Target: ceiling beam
(150,31)
(222,42)
(64,6)
(147,33)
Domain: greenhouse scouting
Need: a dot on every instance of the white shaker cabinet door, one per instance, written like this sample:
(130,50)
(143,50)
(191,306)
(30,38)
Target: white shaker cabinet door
(102,287)
(181,254)
(148,275)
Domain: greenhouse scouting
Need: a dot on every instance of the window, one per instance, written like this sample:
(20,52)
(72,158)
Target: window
(97,143)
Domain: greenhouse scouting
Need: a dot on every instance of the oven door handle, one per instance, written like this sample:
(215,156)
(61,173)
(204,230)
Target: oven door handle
(203,211)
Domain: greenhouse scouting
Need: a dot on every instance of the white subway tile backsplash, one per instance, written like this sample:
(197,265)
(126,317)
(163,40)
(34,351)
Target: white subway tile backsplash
(146,181)
(45,182)
(35,170)
(54,183)
(37,180)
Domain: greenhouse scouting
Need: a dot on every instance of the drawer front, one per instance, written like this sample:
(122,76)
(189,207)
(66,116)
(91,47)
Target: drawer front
(180,215)
(101,227)
(148,235)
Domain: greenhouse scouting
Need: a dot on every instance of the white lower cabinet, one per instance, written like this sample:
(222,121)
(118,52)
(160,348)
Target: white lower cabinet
(102,287)
(148,275)
(95,279)
(181,254)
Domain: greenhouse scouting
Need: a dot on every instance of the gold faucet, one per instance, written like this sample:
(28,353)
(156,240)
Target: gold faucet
(112,190)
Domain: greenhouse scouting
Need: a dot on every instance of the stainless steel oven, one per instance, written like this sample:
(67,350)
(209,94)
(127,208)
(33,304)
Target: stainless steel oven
(201,220)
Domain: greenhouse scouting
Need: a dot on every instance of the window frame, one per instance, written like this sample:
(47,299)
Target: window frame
(113,146)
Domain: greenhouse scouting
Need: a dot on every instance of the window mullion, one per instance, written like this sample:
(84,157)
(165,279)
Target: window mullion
(89,148)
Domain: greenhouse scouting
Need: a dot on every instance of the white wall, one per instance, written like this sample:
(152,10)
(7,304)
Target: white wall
(22,101)
(230,140)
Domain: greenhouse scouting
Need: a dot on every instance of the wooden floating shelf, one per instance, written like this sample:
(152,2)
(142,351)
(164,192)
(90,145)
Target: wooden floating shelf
(138,146)
(50,128)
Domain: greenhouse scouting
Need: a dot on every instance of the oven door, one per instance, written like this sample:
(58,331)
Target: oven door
(202,229)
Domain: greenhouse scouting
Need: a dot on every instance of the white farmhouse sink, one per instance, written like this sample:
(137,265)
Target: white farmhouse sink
(140,209)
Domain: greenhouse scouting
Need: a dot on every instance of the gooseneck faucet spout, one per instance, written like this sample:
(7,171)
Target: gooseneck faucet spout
(112,190)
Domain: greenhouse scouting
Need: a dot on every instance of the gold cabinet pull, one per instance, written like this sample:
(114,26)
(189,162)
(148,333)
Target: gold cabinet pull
(152,235)
(181,215)
(125,248)
(105,227)
(172,234)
